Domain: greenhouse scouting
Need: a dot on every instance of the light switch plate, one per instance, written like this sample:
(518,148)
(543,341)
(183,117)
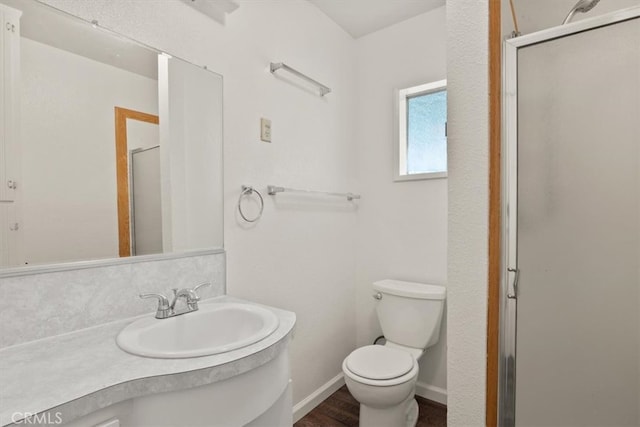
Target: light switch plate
(265,130)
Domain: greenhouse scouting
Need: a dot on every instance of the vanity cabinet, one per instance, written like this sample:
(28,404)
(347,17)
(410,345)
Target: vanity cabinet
(257,398)
(10,135)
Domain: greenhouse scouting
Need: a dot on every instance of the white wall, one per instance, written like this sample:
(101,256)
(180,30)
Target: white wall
(68,137)
(300,256)
(402,226)
(141,134)
(468,141)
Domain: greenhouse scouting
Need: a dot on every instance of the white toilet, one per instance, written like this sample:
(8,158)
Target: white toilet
(383,378)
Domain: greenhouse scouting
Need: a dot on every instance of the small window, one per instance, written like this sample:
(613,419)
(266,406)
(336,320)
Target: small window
(422,132)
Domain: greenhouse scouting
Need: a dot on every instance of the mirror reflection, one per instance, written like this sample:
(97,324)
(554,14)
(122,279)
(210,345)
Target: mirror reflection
(109,149)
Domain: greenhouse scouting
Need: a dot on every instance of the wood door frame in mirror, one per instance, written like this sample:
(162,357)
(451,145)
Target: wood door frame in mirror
(122,173)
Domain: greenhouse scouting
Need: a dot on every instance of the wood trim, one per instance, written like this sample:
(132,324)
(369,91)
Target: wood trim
(495,140)
(122,173)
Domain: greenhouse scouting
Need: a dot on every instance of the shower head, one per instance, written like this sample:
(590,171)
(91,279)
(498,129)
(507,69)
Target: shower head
(583,6)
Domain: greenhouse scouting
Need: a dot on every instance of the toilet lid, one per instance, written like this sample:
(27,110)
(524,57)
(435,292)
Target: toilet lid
(377,362)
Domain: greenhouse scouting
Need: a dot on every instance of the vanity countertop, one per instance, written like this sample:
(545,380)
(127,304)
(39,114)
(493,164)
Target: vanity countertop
(83,371)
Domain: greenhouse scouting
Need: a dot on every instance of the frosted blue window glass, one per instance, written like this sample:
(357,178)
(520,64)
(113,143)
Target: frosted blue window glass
(426,133)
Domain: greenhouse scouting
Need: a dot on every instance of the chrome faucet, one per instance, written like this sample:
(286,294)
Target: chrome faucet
(166,309)
(190,298)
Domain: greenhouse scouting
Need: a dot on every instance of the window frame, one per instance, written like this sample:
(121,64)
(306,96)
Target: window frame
(400,140)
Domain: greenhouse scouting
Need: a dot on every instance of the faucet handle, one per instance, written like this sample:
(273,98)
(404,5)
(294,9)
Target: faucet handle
(201,285)
(164,309)
(163,302)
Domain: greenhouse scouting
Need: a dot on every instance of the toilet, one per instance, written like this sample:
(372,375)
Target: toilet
(383,377)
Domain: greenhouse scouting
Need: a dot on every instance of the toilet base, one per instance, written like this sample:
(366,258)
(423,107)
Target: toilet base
(412,413)
(404,414)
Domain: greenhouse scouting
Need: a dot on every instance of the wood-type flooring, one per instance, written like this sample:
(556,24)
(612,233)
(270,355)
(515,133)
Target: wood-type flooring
(341,410)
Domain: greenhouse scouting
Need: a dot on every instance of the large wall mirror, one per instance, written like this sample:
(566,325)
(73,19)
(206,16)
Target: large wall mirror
(109,148)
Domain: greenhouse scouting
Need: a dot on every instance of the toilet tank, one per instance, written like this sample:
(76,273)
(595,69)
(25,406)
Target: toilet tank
(410,313)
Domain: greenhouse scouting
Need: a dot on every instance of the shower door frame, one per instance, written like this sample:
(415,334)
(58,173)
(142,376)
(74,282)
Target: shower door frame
(508,256)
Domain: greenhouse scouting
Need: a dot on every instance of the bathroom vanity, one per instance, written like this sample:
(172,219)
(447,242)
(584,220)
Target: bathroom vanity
(84,379)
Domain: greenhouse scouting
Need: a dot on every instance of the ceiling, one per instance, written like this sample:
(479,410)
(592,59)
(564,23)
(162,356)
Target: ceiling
(361,17)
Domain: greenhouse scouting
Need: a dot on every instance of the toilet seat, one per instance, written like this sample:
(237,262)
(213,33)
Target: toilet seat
(377,362)
(380,366)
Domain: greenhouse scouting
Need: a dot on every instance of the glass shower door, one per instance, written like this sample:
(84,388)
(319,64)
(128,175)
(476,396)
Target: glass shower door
(146,201)
(578,229)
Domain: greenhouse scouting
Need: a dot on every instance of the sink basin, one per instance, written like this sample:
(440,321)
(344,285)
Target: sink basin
(213,329)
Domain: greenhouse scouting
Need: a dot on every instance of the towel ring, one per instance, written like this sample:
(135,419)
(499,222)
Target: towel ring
(246,190)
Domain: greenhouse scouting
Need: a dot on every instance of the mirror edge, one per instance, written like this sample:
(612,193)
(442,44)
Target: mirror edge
(107,262)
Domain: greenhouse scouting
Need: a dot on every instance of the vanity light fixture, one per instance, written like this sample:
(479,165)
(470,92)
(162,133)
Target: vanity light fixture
(214,9)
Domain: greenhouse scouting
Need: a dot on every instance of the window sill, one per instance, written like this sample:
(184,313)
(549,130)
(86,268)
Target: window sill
(420,176)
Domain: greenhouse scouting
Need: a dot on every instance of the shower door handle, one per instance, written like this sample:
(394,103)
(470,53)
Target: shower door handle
(514,295)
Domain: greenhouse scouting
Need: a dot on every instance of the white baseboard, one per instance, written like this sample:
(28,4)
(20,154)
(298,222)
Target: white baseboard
(431,392)
(305,406)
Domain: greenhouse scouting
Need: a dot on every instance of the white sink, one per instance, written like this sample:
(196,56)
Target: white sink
(213,329)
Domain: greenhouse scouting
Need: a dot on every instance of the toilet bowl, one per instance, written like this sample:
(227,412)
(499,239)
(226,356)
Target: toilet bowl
(383,378)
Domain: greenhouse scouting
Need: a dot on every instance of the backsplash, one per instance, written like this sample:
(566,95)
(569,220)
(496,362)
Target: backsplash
(41,305)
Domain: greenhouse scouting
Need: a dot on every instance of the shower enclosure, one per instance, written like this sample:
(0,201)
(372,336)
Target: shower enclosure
(146,201)
(570,328)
